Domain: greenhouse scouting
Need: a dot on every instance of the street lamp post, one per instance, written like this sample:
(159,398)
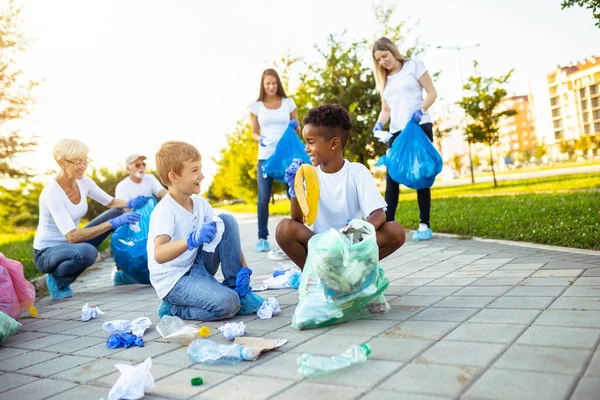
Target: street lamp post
(459,49)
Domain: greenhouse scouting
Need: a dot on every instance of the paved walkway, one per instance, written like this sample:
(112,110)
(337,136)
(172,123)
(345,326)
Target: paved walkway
(469,319)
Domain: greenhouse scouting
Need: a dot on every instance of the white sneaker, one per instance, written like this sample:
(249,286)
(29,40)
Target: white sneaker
(277,255)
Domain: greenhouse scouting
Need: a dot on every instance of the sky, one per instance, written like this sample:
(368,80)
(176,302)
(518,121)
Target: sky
(124,76)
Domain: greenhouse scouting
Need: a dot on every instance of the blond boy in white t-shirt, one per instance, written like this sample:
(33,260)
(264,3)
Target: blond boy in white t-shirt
(187,242)
(347,190)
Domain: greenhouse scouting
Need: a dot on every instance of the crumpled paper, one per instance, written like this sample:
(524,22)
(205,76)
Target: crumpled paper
(231,330)
(210,247)
(134,380)
(88,313)
(138,326)
(278,280)
(382,136)
(269,308)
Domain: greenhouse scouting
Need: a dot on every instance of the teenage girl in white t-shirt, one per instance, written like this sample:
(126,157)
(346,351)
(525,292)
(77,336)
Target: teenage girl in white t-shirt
(401,82)
(270,115)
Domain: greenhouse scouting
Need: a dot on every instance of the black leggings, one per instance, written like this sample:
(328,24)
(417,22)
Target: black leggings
(392,188)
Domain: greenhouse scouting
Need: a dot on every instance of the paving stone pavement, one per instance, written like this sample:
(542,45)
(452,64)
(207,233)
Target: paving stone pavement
(469,319)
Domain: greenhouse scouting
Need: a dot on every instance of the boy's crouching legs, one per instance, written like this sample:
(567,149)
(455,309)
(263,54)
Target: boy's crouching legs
(292,237)
(390,237)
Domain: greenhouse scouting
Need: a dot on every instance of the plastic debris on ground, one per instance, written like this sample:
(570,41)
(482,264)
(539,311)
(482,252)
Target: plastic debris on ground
(310,366)
(8,326)
(259,345)
(173,328)
(138,326)
(124,340)
(250,303)
(88,313)
(269,308)
(283,276)
(342,279)
(206,351)
(231,330)
(133,381)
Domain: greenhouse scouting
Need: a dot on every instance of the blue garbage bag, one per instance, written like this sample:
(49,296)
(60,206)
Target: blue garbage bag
(412,160)
(129,247)
(289,147)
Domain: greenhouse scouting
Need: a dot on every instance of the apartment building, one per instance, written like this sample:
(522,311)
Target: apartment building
(517,133)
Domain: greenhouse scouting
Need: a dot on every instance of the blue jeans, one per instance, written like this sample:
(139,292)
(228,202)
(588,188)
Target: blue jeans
(67,261)
(265,187)
(197,295)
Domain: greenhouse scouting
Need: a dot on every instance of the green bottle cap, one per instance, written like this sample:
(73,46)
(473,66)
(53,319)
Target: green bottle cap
(197,381)
(367,348)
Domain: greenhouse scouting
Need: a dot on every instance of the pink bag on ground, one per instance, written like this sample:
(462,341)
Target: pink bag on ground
(17,294)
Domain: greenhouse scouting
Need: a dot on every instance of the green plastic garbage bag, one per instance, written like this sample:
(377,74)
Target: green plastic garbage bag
(342,279)
(8,326)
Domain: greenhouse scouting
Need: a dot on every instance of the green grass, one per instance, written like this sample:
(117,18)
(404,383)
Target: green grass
(281,207)
(19,247)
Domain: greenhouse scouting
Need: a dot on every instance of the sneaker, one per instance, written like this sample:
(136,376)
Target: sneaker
(278,255)
(422,235)
(262,245)
(164,309)
(121,278)
(55,292)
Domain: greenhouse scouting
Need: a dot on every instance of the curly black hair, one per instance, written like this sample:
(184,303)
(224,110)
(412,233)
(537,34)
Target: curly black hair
(334,118)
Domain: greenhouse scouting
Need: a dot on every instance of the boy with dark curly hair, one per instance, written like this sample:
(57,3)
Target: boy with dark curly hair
(347,189)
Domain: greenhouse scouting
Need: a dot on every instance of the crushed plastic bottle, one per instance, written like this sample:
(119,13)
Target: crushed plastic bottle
(208,352)
(173,328)
(309,365)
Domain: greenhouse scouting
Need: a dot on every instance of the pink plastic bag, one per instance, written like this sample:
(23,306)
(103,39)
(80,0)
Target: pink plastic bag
(12,281)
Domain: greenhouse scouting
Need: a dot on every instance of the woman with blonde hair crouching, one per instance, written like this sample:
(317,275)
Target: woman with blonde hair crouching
(61,249)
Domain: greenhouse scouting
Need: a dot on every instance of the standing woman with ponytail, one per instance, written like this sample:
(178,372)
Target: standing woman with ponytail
(401,82)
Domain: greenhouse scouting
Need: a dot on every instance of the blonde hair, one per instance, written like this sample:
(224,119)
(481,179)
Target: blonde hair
(67,149)
(171,156)
(383,44)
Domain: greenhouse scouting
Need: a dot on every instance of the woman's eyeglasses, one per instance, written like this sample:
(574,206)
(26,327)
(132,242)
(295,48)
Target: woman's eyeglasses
(80,164)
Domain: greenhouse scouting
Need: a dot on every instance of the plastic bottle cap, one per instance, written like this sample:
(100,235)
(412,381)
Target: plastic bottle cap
(367,348)
(197,381)
(246,353)
(204,332)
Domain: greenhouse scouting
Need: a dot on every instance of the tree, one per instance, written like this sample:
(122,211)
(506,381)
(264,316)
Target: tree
(476,161)
(484,96)
(19,206)
(539,151)
(593,5)
(567,147)
(457,162)
(439,133)
(16,96)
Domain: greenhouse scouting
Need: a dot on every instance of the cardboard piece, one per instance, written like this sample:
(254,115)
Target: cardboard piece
(259,345)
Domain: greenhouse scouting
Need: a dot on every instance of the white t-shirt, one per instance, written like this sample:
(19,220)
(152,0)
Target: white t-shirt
(59,216)
(128,189)
(404,94)
(272,124)
(170,218)
(347,194)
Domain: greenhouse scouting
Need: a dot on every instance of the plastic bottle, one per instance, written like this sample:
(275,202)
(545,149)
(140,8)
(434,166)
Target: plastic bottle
(173,328)
(208,352)
(309,365)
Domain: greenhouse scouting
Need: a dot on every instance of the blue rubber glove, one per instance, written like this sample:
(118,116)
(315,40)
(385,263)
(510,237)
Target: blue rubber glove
(127,218)
(242,281)
(138,202)
(206,234)
(262,141)
(378,127)
(417,116)
(294,123)
(290,175)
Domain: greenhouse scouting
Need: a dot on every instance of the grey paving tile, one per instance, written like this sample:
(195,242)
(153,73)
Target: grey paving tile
(54,366)
(543,359)
(429,290)
(158,372)
(566,265)
(592,272)
(419,301)
(399,290)
(318,391)
(465,302)
(176,358)
(178,385)
(82,392)
(461,353)
(485,281)
(364,327)
(268,324)
(453,281)
(92,329)
(398,313)
(518,302)
(492,259)
(87,372)
(61,327)
(576,303)
(23,337)
(10,380)
(139,354)
(427,274)
(73,345)
(39,389)
(8,352)
(507,273)
(503,316)
(492,291)
(501,384)
(587,281)
(560,336)
(412,281)
(46,341)
(549,273)
(445,314)
(35,324)
(248,387)
(294,339)
(481,267)
(424,330)
(526,266)
(581,319)
(394,395)
(26,360)
(397,349)
(445,380)
(583,291)
(279,366)
(594,365)
(484,332)
(98,350)
(536,291)
(587,388)
(467,274)
(558,281)
(330,344)
(365,375)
